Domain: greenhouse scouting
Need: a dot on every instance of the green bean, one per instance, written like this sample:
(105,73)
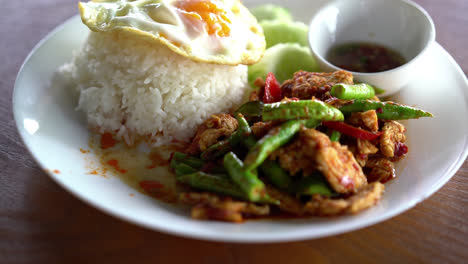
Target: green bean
(182,169)
(385,110)
(187,159)
(212,183)
(184,164)
(277,137)
(335,135)
(277,175)
(249,141)
(352,91)
(311,123)
(222,147)
(250,109)
(314,184)
(303,109)
(248,181)
(377,90)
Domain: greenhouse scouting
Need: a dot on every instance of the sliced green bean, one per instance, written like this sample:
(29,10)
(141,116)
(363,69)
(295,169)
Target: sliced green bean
(249,141)
(275,174)
(250,109)
(311,123)
(212,183)
(277,137)
(303,109)
(182,169)
(377,90)
(314,184)
(187,159)
(352,91)
(248,181)
(335,136)
(385,110)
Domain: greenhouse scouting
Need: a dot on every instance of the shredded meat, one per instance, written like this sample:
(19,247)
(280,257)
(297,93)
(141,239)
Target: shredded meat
(363,199)
(287,203)
(335,161)
(211,206)
(208,133)
(336,102)
(366,147)
(295,157)
(305,85)
(260,129)
(393,133)
(366,120)
(361,149)
(379,169)
(314,150)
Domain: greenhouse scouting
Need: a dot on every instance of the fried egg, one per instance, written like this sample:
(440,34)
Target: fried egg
(213,31)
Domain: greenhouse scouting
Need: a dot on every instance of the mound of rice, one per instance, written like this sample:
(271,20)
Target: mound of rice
(136,89)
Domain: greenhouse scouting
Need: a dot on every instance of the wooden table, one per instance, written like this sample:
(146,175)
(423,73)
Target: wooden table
(41,222)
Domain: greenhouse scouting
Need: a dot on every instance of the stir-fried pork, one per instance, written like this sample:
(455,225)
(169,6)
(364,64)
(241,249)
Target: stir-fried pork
(393,134)
(336,162)
(305,85)
(379,169)
(211,206)
(367,120)
(364,198)
(314,150)
(287,203)
(260,129)
(366,147)
(208,133)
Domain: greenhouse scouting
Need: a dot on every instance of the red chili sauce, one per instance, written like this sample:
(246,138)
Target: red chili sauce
(364,57)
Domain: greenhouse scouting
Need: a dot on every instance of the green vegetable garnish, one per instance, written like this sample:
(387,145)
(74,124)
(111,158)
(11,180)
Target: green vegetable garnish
(271,12)
(277,31)
(283,60)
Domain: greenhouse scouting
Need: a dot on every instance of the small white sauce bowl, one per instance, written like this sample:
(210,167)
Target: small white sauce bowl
(398,24)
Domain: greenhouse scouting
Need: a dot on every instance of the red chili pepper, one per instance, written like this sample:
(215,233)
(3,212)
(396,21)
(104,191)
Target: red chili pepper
(272,91)
(150,186)
(349,130)
(400,149)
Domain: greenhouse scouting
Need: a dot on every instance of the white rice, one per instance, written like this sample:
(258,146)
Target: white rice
(137,89)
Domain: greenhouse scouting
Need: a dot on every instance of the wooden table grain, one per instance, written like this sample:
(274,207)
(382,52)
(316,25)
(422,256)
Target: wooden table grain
(42,223)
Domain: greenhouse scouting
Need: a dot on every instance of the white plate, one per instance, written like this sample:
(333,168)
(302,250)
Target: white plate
(54,133)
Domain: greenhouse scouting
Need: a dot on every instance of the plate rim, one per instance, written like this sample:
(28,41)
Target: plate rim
(447,175)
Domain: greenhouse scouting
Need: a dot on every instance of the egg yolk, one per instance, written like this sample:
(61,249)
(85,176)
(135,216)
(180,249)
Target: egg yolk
(208,12)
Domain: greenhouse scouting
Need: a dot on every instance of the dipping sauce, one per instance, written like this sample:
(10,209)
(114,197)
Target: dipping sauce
(364,57)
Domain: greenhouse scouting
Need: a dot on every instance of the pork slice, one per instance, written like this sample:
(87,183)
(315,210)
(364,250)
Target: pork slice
(305,85)
(208,133)
(392,134)
(335,161)
(363,199)
(367,120)
(211,206)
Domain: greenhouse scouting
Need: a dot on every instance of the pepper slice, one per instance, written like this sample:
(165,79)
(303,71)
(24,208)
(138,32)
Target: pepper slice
(272,91)
(349,130)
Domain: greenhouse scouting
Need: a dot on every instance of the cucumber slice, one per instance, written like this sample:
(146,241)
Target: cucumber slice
(277,31)
(283,60)
(271,12)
